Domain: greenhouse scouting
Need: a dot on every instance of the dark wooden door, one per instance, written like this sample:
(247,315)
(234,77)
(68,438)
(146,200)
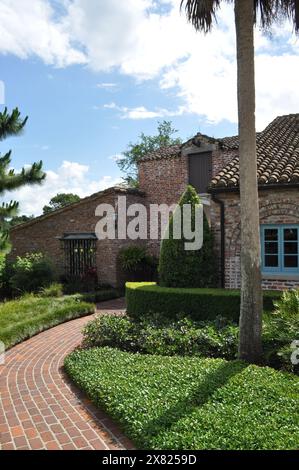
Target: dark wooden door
(200,171)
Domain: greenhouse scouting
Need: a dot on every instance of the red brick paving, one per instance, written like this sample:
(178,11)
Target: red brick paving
(40,408)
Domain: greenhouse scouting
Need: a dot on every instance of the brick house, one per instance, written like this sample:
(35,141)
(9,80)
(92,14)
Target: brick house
(211,166)
(68,237)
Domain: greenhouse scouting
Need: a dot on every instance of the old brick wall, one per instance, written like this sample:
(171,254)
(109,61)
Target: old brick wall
(163,182)
(43,234)
(280,206)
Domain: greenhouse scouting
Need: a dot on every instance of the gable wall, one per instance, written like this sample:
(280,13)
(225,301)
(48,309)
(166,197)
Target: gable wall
(43,236)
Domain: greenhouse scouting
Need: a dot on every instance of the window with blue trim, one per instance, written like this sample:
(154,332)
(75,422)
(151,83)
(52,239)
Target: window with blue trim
(280,248)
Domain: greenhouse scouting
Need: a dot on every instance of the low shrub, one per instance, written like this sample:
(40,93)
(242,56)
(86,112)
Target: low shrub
(87,282)
(199,304)
(280,329)
(136,264)
(156,334)
(30,273)
(153,336)
(110,330)
(288,305)
(54,290)
(99,295)
(184,403)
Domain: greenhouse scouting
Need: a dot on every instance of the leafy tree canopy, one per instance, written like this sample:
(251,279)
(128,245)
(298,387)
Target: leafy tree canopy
(20,219)
(59,201)
(146,144)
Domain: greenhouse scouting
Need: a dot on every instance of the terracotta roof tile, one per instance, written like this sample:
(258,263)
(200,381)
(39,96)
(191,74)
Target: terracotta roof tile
(164,152)
(277,155)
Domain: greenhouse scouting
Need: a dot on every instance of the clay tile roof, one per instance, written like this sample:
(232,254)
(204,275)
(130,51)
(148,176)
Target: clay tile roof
(277,155)
(164,152)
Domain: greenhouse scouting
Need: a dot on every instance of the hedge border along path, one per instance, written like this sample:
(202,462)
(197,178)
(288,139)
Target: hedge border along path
(39,409)
(200,304)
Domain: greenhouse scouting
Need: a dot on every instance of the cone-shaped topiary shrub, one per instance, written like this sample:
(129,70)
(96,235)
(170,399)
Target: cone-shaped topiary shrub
(182,268)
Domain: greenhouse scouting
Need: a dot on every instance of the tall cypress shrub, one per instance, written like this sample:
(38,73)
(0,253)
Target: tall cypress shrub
(181,268)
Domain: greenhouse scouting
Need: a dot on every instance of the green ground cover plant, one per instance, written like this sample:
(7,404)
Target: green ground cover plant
(190,403)
(155,334)
(20,319)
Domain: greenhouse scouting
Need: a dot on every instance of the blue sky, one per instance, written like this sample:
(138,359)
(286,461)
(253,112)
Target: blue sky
(91,80)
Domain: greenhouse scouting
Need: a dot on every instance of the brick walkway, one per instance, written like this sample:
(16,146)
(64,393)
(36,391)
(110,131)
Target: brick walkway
(39,408)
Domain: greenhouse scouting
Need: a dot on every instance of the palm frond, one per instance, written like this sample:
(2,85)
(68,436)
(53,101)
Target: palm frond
(201,13)
(290,9)
(266,12)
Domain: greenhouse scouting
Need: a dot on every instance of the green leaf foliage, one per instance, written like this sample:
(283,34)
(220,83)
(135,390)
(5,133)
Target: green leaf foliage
(59,201)
(30,273)
(145,145)
(156,335)
(137,264)
(20,319)
(180,335)
(199,304)
(190,403)
(179,267)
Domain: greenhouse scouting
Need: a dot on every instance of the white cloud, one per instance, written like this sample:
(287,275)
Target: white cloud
(141,112)
(29,28)
(112,87)
(134,37)
(71,177)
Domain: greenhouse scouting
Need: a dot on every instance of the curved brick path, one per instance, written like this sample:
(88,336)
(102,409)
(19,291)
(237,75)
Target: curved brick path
(39,408)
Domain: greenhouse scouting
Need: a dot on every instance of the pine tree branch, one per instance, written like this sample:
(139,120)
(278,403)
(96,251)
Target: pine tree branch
(12,181)
(9,209)
(11,124)
(4,241)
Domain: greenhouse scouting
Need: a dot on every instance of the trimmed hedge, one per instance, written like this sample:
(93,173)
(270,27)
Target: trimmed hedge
(199,304)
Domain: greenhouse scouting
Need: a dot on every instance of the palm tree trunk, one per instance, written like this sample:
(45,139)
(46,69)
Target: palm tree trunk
(250,347)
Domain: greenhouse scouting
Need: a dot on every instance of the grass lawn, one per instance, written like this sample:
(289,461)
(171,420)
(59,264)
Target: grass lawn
(191,403)
(20,319)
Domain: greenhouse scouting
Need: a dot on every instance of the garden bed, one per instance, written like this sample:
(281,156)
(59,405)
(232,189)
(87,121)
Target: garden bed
(190,403)
(20,319)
